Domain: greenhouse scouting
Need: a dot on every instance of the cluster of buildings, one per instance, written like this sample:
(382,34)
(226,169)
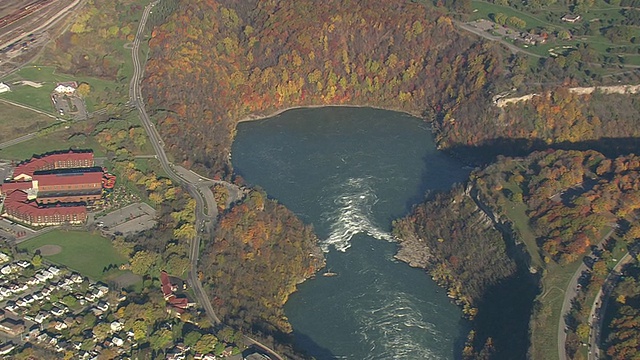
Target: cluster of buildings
(526,37)
(174,303)
(36,309)
(54,188)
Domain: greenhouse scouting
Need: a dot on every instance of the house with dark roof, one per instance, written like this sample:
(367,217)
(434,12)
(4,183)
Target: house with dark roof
(12,327)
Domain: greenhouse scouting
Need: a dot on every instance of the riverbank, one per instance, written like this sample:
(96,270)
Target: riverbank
(486,277)
(256,117)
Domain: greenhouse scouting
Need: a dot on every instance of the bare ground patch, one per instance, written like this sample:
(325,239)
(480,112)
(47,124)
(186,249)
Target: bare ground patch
(48,250)
(127,279)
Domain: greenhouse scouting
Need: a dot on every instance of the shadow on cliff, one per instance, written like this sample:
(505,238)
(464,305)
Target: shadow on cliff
(504,313)
(490,149)
(311,348)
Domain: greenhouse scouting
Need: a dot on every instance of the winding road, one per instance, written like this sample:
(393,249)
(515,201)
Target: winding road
(199,187)
(569,294)
(596,317)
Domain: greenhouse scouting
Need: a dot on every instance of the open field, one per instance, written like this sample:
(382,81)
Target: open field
(549,21)
(544,337)
(544,333)
(87,253)
(486,10)
(57,140)
(46,76)
(16,121)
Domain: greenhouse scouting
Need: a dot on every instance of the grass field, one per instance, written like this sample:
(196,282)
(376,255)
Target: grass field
(87,253)
(544,330)
(485,10)
(39,98)
(544,337)
(58,140)
(549,20)
(16,121)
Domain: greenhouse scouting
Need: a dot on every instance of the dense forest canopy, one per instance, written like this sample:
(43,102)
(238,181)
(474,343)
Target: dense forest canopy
(458,245)
(216,61)
(624,326)
(444,225)
(553,118)
(573,198)
(260,252)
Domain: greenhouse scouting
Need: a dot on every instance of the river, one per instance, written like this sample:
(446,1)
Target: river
(350,172)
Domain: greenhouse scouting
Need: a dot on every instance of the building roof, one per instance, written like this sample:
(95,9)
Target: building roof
(76,178)
(166,283)
(48,160)
(17,202)
(13,186)
(72,84)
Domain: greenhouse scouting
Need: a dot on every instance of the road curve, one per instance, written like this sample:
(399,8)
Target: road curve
(596,317)
(157,143)
(196,185)
(570,293)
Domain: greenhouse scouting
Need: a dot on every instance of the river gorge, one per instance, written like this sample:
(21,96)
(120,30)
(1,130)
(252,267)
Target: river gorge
(350,172)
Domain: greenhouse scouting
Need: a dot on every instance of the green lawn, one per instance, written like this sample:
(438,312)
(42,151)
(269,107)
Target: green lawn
(516,212)
(82,251)
(16,121)
(57,140)
(485,10)
(549,19)
(544,336)
(39,98)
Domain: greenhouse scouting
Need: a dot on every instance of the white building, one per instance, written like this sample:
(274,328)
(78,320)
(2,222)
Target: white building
(64,89)
(4,87)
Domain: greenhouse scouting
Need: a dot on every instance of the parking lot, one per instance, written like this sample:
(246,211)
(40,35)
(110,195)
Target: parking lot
(69,105)
(128,220)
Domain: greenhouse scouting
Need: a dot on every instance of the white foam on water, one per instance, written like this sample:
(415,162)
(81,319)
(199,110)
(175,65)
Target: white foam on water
(353,215)
(394,329)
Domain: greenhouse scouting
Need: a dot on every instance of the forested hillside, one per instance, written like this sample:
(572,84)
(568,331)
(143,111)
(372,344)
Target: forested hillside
(456,242)
(260,252)
(573,198)
(444,225)
(570,200)
(624,326)
(554,118)
(216,61)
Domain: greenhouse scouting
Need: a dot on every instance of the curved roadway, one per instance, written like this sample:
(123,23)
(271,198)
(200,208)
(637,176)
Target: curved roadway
(596,317)
(569,294)
(196,185)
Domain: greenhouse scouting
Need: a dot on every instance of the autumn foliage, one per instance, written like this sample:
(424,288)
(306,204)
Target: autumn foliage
(260,252)
(573,198)
(551,117)
(467,253)
(217,61)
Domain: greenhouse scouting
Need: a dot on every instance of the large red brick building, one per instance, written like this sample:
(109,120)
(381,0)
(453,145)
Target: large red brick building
(51,161)
(53,189)
(18,207)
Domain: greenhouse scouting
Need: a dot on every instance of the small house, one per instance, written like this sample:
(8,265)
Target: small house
(570,18)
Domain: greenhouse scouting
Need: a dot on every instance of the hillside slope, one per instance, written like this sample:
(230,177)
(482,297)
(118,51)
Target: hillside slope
(216,61)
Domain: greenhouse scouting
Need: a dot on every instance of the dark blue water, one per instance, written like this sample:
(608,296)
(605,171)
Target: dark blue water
(350,172)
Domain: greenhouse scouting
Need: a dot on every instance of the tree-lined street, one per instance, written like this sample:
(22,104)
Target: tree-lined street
(198,187)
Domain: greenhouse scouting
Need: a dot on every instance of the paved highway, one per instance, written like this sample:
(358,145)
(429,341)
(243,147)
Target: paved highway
(569,294)
(596,317)
(197,186)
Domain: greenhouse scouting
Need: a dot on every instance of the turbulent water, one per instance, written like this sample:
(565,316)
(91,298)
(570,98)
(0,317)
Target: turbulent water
(350,172)
(352,213)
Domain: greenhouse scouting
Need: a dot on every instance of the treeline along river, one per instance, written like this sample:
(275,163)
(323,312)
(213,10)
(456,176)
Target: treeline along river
(350,172)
